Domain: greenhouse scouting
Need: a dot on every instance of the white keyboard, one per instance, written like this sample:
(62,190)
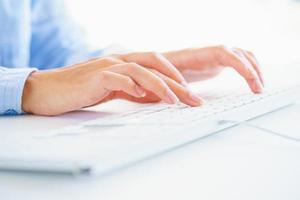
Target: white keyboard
(104,144)
(217,104)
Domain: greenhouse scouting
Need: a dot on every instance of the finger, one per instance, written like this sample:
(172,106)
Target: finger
(118,82)
(183,93)
(149,98)
(238,62)
(253,81)
(256,83)
(147,80)
(254,63)
(158,62)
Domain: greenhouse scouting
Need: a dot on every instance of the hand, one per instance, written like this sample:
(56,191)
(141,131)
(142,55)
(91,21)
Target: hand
(204,63)
(99,80)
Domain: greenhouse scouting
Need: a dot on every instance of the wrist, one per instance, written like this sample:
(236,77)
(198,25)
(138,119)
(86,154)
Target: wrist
(28,90)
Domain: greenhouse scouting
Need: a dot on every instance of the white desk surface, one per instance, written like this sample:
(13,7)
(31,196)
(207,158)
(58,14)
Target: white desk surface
(239,163)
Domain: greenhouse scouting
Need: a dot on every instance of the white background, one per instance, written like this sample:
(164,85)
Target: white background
(240,163)
(270,28)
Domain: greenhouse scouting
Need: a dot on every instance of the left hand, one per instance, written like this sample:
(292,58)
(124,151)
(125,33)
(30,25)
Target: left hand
(203,63)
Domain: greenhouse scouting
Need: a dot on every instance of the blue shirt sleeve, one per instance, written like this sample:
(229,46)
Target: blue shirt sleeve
(36,33)
(12,82)
(56,40)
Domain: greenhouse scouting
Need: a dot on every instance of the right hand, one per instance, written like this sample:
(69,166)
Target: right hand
(98,80)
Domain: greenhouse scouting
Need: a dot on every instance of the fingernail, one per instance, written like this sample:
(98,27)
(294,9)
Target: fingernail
(171,98)
(195,99)
(258,86)
(140,91)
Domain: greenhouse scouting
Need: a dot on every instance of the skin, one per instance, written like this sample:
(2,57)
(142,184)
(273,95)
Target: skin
(140,77)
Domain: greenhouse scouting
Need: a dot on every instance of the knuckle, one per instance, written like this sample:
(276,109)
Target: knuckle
(104,75)
(159,83)
(221,47)
(220,53)
(154,71)
(129,82)
(154,55)
(116,56)
(132,67)
(159,87)
(251,76)
(164,90)
(110,60)
(250,53)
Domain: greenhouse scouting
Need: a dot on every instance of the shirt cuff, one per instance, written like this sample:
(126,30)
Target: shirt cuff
(12,83)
